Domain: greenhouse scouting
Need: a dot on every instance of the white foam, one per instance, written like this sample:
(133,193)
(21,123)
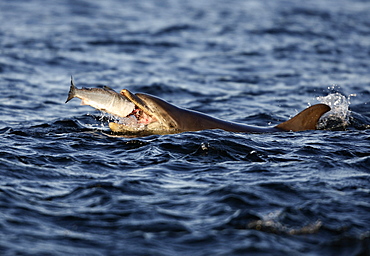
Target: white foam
(338,116)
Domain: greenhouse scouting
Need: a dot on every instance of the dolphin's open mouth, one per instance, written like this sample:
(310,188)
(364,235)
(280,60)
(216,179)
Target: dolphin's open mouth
(137,119)
(141,116)
(140,119)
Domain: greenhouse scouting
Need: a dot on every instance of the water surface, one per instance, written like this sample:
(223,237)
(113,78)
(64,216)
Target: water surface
(69,187)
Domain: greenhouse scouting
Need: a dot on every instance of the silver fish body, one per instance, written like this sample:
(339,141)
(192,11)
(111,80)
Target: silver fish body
(104,99)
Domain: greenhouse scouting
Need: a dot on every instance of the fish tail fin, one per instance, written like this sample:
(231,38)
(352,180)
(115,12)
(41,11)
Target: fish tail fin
(72,91)
(305,120)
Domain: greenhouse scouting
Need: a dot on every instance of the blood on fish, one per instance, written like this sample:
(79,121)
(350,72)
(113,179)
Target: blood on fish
(142,117)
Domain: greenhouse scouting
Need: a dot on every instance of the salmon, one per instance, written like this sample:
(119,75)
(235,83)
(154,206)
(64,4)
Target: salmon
(104,99)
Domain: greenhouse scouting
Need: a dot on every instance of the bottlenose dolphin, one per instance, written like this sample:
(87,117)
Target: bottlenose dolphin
(152,115)
(167,118)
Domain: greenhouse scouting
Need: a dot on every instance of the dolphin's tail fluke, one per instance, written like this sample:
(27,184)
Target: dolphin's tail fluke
(305,120)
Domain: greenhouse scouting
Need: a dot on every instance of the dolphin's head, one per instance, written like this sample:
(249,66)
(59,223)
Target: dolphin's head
(150,116)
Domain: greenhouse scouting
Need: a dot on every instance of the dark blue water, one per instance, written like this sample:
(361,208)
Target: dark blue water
(70,187)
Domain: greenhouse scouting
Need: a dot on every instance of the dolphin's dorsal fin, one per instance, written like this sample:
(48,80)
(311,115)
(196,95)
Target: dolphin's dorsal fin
(305,120)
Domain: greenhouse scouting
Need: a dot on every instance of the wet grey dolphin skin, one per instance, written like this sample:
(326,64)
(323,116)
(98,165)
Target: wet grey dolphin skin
(152,115)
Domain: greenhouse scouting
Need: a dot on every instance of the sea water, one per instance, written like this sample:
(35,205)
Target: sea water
(70,187)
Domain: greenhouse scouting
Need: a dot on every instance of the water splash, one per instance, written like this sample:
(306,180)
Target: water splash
(338,118)
(101,122)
